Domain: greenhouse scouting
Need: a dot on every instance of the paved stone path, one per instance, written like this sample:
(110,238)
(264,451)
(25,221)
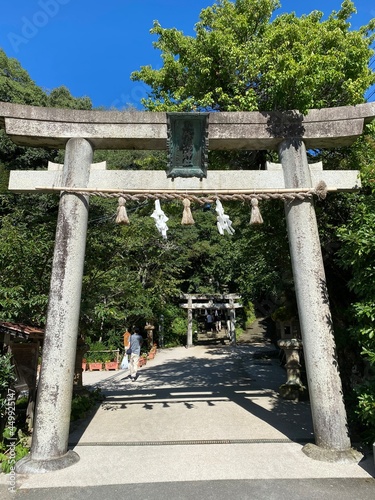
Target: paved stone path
(207,418)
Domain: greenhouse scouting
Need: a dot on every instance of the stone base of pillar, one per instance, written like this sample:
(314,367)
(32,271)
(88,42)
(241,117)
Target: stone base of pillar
(325,455)
(27,465)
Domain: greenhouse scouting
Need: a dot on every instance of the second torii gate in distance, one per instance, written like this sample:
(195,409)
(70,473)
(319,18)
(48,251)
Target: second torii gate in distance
(79,133)
(227,302)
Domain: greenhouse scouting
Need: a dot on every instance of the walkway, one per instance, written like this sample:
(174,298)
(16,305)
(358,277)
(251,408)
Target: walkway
(201,421)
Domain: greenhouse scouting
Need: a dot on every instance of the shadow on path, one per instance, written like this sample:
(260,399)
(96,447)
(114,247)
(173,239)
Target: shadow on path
(222,393)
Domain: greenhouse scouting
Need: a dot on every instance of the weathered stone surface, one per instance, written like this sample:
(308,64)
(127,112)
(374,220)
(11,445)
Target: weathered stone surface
(51,127)
(28,465)
(333,456)
(51,430)
(27,181)
(322,371)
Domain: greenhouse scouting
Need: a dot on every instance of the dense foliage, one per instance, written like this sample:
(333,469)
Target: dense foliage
(243,60)
(357,255)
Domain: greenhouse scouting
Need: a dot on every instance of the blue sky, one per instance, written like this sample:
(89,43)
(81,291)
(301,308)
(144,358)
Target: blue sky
(93,46)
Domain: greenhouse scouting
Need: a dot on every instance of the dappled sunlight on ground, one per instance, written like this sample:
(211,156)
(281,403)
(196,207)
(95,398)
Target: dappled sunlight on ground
(214,393)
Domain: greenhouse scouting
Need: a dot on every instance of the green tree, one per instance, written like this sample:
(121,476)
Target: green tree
(61,97)
(16,86)
(243,60)
(26,247)
(27,223)
(356,255)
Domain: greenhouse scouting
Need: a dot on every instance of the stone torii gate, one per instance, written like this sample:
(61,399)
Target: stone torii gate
(223,302)
(79,133)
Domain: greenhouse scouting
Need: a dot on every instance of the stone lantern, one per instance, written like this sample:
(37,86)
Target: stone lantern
(288,328)
(150,334)
(293,388)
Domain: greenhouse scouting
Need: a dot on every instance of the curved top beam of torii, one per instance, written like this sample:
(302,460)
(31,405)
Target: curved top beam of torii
(52,127)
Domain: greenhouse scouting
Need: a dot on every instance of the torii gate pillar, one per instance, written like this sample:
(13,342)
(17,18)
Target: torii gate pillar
(323,378)
(50,435)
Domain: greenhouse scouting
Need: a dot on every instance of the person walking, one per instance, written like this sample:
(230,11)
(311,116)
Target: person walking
(136,341)
(209,322)
(217,317)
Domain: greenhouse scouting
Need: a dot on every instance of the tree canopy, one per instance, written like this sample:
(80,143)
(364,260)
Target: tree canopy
(243,59)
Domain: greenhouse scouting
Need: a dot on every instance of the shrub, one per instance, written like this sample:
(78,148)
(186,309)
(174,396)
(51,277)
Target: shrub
(249,311)
(366,410)
(7,378)
(19,450)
